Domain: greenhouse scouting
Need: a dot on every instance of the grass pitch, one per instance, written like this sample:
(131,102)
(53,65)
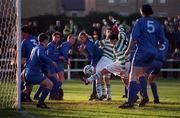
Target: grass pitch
(76,104)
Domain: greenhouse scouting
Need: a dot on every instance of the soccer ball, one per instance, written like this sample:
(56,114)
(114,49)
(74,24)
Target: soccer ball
(88,70)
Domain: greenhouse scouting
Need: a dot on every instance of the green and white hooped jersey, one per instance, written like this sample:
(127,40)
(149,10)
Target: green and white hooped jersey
(107,47)
(120,48)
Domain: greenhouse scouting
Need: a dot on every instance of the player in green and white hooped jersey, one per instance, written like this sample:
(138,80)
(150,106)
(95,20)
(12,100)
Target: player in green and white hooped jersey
(118,67)
(107,58)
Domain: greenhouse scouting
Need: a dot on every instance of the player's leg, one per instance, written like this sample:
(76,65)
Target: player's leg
(25,93)
(157,65)
(60,76)
(133,87)
(94,92)
(153,86)
(47,86)
(104,87)
(108,87)
(54,94)
(143,85)
(46,71)
(38,92)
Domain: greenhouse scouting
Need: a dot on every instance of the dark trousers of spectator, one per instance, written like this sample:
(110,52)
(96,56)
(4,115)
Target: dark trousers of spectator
(176,66)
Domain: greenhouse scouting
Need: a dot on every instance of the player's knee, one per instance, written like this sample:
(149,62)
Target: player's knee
(50,85)
(151,78)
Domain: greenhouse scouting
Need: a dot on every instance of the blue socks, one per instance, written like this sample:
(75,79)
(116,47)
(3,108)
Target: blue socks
(94,88)
(143,83)
(45,93)
(125,91)
(55,87)
(154,90)
(38,92)
(133,88)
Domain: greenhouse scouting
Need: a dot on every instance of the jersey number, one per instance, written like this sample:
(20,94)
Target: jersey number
(150,26)
(34,42)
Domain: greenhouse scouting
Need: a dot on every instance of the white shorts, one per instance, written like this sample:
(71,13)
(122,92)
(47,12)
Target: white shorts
(103,62)
(116,69)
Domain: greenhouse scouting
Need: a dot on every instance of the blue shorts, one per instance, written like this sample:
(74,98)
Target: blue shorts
(34,77)
(51,69)
(60,67)
(143,58)
(155,67)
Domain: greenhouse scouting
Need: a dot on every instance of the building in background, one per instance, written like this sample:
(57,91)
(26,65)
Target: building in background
(32,8)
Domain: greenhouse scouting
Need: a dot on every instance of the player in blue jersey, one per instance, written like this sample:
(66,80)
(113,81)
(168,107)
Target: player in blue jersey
(146,34)
(65,51)
(86,46)
(33,70)
(28,42)
(53,53)
(155,68)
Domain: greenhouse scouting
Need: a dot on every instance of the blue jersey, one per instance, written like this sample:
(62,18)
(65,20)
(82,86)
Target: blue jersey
(97,54)
(27,46)
(89,47)
(64,49)
(147,32)
(162,52)
(38,59)
(52,51)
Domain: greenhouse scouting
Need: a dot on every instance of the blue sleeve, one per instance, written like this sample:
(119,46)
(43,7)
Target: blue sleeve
(65,50)
(161,34)
(51,52)
(89,49)
(136,32)
(23,49)
(43,57)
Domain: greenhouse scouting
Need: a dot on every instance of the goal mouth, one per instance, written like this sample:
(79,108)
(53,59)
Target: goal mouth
(9,52)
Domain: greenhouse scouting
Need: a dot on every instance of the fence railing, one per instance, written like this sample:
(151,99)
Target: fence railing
(69,69)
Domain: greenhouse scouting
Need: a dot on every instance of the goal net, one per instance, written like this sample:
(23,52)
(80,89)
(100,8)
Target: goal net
(9,34)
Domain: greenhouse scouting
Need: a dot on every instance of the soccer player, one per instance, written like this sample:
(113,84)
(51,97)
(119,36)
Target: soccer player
(33,70)
(107,58)
(86,46)
(65,51)
(118,67)
(155,67)
(53,53)
(28,42)
(146,34)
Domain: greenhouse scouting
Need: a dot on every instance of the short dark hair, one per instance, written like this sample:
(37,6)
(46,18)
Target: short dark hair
(26,29)
(57,33)
(113,36)
(42,37)
(147,9)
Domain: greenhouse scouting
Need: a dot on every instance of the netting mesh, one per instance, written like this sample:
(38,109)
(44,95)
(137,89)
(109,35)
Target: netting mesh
(8,53)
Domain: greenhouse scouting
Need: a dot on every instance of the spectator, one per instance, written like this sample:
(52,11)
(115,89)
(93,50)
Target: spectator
(176,56)
(59,27)
(177,37)
(66,31)
(51,30)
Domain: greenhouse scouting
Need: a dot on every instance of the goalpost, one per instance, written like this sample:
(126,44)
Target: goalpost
(10,53)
